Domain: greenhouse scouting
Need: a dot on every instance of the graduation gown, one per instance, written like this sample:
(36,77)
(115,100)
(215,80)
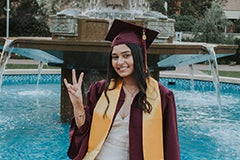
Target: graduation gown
(79,137)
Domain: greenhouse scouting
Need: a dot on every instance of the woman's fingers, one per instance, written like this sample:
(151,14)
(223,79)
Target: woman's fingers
(65,82)
(75,84)
(80,79)
(74,79)
(74,89)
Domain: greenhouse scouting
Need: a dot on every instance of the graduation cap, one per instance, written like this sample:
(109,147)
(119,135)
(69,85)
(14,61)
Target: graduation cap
(122,32)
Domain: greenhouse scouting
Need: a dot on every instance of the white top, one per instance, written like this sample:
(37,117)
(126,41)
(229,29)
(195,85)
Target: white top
(116,146)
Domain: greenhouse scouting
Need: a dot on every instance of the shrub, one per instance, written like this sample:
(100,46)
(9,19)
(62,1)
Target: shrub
(184,23)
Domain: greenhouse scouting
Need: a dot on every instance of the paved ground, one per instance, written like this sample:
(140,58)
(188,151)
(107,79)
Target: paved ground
(198,68)
(21,61)
(185,72)
(29,71)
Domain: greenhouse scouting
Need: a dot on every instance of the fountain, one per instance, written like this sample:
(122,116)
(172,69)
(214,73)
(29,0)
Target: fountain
(78,42)
(30,128)
(3,60)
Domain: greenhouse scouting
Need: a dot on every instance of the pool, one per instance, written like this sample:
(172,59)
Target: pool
(30,125)
(206,130)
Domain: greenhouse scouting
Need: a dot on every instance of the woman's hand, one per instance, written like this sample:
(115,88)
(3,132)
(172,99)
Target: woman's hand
(76,97)
(75,89)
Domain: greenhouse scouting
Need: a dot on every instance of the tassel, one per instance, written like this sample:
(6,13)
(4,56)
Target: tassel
(144,38)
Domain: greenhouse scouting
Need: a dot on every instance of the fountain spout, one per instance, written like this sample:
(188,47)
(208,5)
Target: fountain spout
(6,54)
(214,69)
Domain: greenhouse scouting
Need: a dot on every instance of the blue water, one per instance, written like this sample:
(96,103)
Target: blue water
(30,125)
(207,131)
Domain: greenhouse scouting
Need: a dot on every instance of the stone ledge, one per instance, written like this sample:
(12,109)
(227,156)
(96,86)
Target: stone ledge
(31,71)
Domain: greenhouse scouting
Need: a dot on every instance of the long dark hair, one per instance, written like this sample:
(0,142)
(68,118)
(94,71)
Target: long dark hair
(139,74)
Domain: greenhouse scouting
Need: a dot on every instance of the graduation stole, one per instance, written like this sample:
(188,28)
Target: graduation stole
(152,123)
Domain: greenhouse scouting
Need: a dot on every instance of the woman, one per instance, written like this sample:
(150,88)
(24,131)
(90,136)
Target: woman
(129,115)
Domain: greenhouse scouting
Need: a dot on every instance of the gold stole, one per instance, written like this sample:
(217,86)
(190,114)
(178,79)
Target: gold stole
(152,123)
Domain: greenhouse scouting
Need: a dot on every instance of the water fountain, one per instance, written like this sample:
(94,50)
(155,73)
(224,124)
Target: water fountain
(78,42)
(3,60)
(32,131)
(30,128)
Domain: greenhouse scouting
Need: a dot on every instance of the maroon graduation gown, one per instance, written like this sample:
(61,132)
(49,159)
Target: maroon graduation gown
(79,137)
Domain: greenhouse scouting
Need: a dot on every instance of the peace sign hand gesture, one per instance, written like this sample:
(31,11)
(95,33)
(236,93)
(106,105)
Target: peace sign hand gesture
(76,97)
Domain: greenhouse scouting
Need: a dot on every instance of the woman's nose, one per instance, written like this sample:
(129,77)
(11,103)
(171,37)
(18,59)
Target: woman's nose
(120,60)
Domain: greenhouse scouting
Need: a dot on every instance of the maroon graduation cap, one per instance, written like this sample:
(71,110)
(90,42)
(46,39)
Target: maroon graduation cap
(122,32)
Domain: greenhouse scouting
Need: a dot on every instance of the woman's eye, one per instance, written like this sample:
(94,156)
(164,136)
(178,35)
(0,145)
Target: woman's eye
(126,55)
(114,57)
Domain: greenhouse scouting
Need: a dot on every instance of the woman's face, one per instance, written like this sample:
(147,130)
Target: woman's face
(122,60)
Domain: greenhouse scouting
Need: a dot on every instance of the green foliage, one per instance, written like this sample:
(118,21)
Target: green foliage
(28,26)
(26,7)
(238,26)
(191,11)
(197,8)
(211,27)
(2,27)
(157,5)
(3,4)
(184,23)
(225,73)
(26,19)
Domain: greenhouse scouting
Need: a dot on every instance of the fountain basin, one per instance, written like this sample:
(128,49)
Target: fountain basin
(23,124)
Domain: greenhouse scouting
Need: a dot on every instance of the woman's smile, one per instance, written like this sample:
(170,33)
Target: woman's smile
(122,60)
(123,68)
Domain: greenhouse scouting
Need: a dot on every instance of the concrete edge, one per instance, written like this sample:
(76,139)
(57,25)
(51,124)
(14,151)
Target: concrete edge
(31,71)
